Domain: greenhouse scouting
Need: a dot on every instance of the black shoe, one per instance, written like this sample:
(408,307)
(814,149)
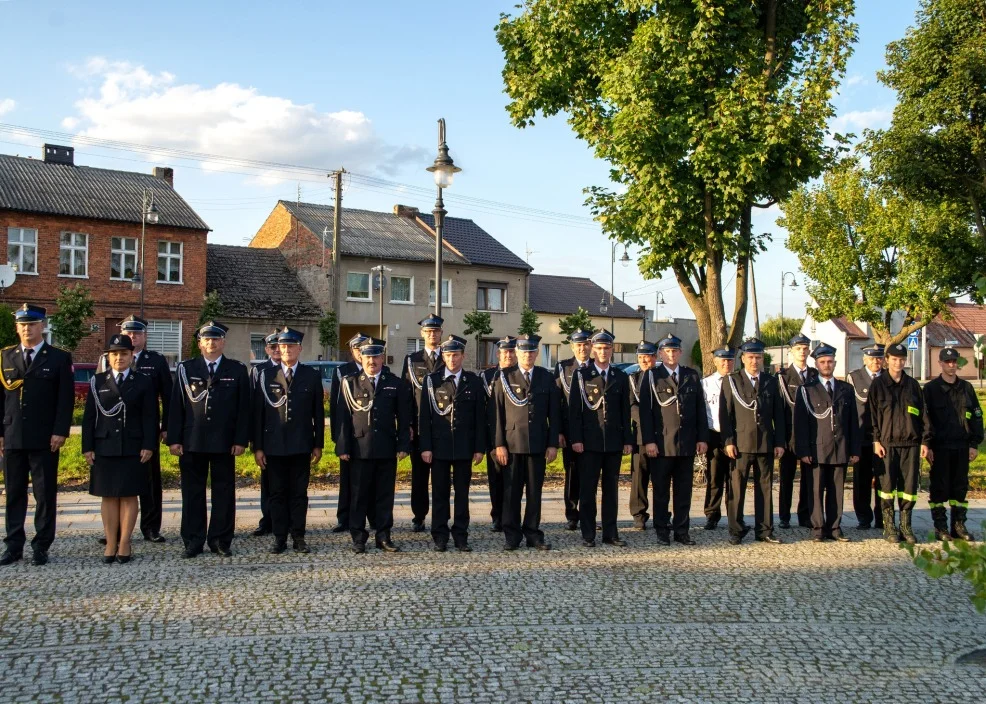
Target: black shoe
(39,558)
(785,524)
(261,532)
(9,558)
(224,551)
(842,538)
(572,525)
(339,528)
(710,525)
(588,543)
(214,548)
(124,559)
(388,546)
(441,547)
(615,542)
(770,539)
(189,553)
(109,559)
(102,541)
(863,526)
(301,547)
(280,546)
(510,548)
(154,537)
(804,524)
(735,539)
(359,548)
(543,546)
(663,537)
(417,526)
(463,547)
(683,538)
(497,527)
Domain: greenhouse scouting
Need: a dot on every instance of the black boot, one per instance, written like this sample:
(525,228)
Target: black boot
(905,527)
(938,515)
(889,529)
(959,530)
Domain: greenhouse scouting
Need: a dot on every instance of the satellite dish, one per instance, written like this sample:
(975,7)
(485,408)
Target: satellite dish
(7,275)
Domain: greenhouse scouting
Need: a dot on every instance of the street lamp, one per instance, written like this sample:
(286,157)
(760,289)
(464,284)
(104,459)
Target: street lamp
(658,303)
(148,214)
(794,285)
(625,261)
(603,308)
(444,171)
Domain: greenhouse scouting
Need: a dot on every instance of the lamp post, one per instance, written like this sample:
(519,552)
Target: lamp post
(625,261)
(148,214)
(794,285)
(379,283)
(657,304)
(444,171)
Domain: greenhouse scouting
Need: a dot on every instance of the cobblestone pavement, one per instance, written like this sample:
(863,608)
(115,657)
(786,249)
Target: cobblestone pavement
(799,622)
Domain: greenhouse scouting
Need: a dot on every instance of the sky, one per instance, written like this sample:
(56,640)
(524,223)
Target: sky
(359,86)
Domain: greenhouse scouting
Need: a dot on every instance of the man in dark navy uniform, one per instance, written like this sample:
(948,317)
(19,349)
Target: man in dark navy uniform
(565,371)
(788,382)
(272,362)
(640,464)
(208,428)
(506,352)
(865,499)
(36,386)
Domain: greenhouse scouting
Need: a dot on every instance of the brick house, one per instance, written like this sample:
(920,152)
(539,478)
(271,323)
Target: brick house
(64,224)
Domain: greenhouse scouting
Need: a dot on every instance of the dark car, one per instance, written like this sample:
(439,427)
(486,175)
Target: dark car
(83,372)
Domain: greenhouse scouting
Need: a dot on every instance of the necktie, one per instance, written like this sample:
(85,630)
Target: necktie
(28,353)
(828,387)
(289,376)
(802,375)
(527,379)
(451,378)
(373,383)
(212,370)
(674,377)
(754,382)
(119,379)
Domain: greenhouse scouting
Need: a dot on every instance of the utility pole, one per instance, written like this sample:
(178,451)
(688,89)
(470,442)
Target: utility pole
(334,297)
(753,293)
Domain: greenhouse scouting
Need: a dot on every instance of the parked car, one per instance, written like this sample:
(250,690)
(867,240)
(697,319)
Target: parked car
(631,368)
(327,369)
(82,373)
(624,366)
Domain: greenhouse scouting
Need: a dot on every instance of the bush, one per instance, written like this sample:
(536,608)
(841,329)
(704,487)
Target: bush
(956,557)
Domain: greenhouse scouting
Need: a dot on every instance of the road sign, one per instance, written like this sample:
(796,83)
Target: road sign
(912,341)
(379,281)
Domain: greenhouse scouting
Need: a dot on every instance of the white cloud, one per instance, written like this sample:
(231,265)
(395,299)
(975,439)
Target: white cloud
(856,80)
(7,105)
(128,103)
(858,120)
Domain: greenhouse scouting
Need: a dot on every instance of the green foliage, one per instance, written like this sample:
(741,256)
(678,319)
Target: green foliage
(777,331)
(703,110)
(8,330)
(579,320)
(529,324)
(870,251)
(328,329)
(935,149)
(955,557)
(697,354)
(212,308)
(74,306)
(768,359)
(478,324)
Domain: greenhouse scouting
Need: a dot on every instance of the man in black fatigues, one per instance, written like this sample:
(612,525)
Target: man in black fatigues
(208,428)
(901,433)
(957,419)
(528,423)
(506,358)
(717,462)
(865,500)
(273,361)
(751,417)
(788,383)
(36,391)
(827,436)
(417,366)
(600,434)
(354,366)
(681,432)
(452,427)
(641,461)
(564,373)
(374,434)
(288,436)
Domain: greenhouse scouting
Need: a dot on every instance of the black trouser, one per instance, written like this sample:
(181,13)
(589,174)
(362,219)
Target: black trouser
(42,468)
(717,464)
(862,485)
(763,500)
(420,471)
(785,495)
(591,466)
(640,472)
(195,470)
(829,487)
(346,497)
(676,471)
(444,475)
(523,473)
(571,493)
(900,474)
(372,480)
(265,522)
(949,478)
(151,498)
(494,476)
(289,477)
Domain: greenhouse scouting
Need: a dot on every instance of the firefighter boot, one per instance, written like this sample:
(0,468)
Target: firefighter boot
(905,527)
(889,529)
(959,530)
(940,517)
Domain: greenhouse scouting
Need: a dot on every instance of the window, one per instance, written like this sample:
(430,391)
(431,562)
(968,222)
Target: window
(123,258)
(164,336)
(73,254)
(491,297)
(258,349)
(357,286)
(169,262)
(22,249)
(446,292)
(401,289)
(414,344)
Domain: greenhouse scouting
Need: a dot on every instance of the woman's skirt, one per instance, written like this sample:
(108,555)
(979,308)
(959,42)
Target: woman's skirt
(118,476)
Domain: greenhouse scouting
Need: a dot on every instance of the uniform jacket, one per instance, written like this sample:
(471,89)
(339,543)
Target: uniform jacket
(154,366)
(40,404)
(488,377)
(607,429)
(898,412)
(640,394)
(298,426)
(758,430)
(417,366)
(382,430)
(712,389)
(128,431)
(678,412)
(789,381)
(257,368)
(220,418)
(564,373)
(954,413)
(336,402)
(462,432)
(860,380)
(532,428)
(831,440)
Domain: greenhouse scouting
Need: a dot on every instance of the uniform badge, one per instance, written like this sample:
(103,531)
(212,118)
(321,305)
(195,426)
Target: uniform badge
(441,405)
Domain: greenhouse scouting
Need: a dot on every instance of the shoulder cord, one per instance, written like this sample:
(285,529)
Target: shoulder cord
(489,387)
(784,392)
(859,398)
(115,411)
(633,388)
(183,377)
(354,406)
(739,399)
(510,394)
(414,380)
(591,407)
(434,404)
(564,383)
(263,387)
(818,416)
(653,390)
(14,385)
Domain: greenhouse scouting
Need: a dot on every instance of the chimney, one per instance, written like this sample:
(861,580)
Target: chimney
(165,173)
(57,154)
(406,211)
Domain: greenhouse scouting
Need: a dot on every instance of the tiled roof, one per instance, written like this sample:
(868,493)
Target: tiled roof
(940,332)
(850,328)
(564,295)
(253,282)
(970,316)
(374,235)
(478,246)
(35,186)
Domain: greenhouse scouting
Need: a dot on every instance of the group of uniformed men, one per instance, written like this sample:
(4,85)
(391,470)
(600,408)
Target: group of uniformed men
(516,415)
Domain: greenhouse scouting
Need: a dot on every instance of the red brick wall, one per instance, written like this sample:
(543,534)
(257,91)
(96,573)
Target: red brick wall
(114,299)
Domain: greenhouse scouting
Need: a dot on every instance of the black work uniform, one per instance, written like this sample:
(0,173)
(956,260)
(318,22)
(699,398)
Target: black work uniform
(640,463)
(957,418)
(788,383)
(900,424)
(564,374)
(865,500)
(417,366)
(494,472)
(452,426)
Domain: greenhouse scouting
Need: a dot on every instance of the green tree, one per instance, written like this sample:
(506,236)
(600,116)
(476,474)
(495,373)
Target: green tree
(579,320)
(777,331)
(935,148)
(697,354)
(704,110)
(8,330)
(529,324)
(212,308)
(328,332)
(479,325)
(870,252)
(74,307)
(955,557)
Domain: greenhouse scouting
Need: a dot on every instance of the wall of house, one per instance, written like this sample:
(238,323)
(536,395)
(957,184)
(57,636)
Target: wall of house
(240,329)
(114,300)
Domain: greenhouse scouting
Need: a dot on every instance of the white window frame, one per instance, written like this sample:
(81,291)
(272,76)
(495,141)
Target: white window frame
(260,337)
(169,256)
(19,260)
(413,345)
(124,253)
(431,287)
(410,300)
(502,288)
(155,336)
(369,287)
(73,249)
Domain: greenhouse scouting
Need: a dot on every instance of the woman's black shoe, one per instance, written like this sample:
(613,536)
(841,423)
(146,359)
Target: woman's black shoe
(124,559)
(109,559)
